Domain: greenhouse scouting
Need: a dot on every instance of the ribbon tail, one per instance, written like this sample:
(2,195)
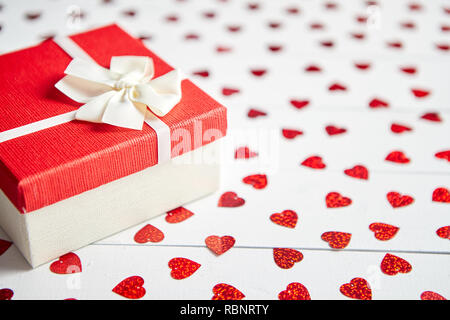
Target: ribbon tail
(80,90)
(93,110)
(123,112)
(160,94)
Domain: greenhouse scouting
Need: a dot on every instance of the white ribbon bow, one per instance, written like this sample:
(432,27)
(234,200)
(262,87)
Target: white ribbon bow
(120,95)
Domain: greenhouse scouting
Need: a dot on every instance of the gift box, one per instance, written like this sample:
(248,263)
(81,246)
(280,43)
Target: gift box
(97,133)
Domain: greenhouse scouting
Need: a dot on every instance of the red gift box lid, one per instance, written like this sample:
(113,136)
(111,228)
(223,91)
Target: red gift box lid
(44,167)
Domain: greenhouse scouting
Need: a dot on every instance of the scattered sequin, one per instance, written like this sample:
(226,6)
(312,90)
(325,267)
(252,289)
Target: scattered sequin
(294,291)
(131,288)
(223,291)
(286,258)
(358,288)
(182,268)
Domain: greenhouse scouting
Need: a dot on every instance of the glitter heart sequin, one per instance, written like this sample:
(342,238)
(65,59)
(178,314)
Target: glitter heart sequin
(4,245)
(66,264)
(397,157)
(131,288)
(287,218)
(430,295)
(441,195)
(254,113)
(286,258)
(378,103)
(6,294)
(294,291)
(398,128)
(358,288)
(299,104)
(383,231)
(397,200)
(244,153)
(230,200)
(391,265)
(443,155)
(229,91)
(358,172)
(443,232)
(314,162)
(182,268)
(333,130)
(258,181)
(178,215)
(223,291)
(149,233)
(219,245)
(431,116)
(291,133)
(420,93)
(335,200)
(336,239)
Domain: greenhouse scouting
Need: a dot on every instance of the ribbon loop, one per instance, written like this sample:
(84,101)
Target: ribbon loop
(120,95)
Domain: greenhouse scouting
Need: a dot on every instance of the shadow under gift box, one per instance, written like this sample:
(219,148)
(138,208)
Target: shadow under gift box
(75,183)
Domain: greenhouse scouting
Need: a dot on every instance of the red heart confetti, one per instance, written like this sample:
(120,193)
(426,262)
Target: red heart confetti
(66,264)
(358,288)
(313,68)
(445,28)
(291,133)
(443,232)
(299,104)
(408,25)
(172,18)
(331,6)
(223,49)
(149,233)
(430,295)
(397,200)
(420,93)
(219,245)
(431,116)
(337,239)
(4,245)
(415,7)
(131,288)
(292,10)
(378,103)
(316,26)
(397,157)
(253,113)
(443,155)
(234,29)
(409,70)
(6,294)
(274,25)
(399,128)
(182,268)
(287,218)
(244,153)
(336,200)
(362,66)
(443,46)
(391,265)
(209,14)
(358,172)
(286,258)
(394,44)
(223,291)
(178,215)
(337,87)
(383,231)
(294,291)
(229,91)
(333,130)
(230,200)
(361,19)
(314,162)
(258,181)
(327,44)
(358,35)
(274,47)
(201,73)
(129,13)
(258,72)
(32,15)
(253,6)
(441,195)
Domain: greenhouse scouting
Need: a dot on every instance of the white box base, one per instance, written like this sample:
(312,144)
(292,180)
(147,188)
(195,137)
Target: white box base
(50,232)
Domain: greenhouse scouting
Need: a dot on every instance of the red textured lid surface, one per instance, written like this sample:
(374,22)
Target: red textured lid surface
(54,164)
